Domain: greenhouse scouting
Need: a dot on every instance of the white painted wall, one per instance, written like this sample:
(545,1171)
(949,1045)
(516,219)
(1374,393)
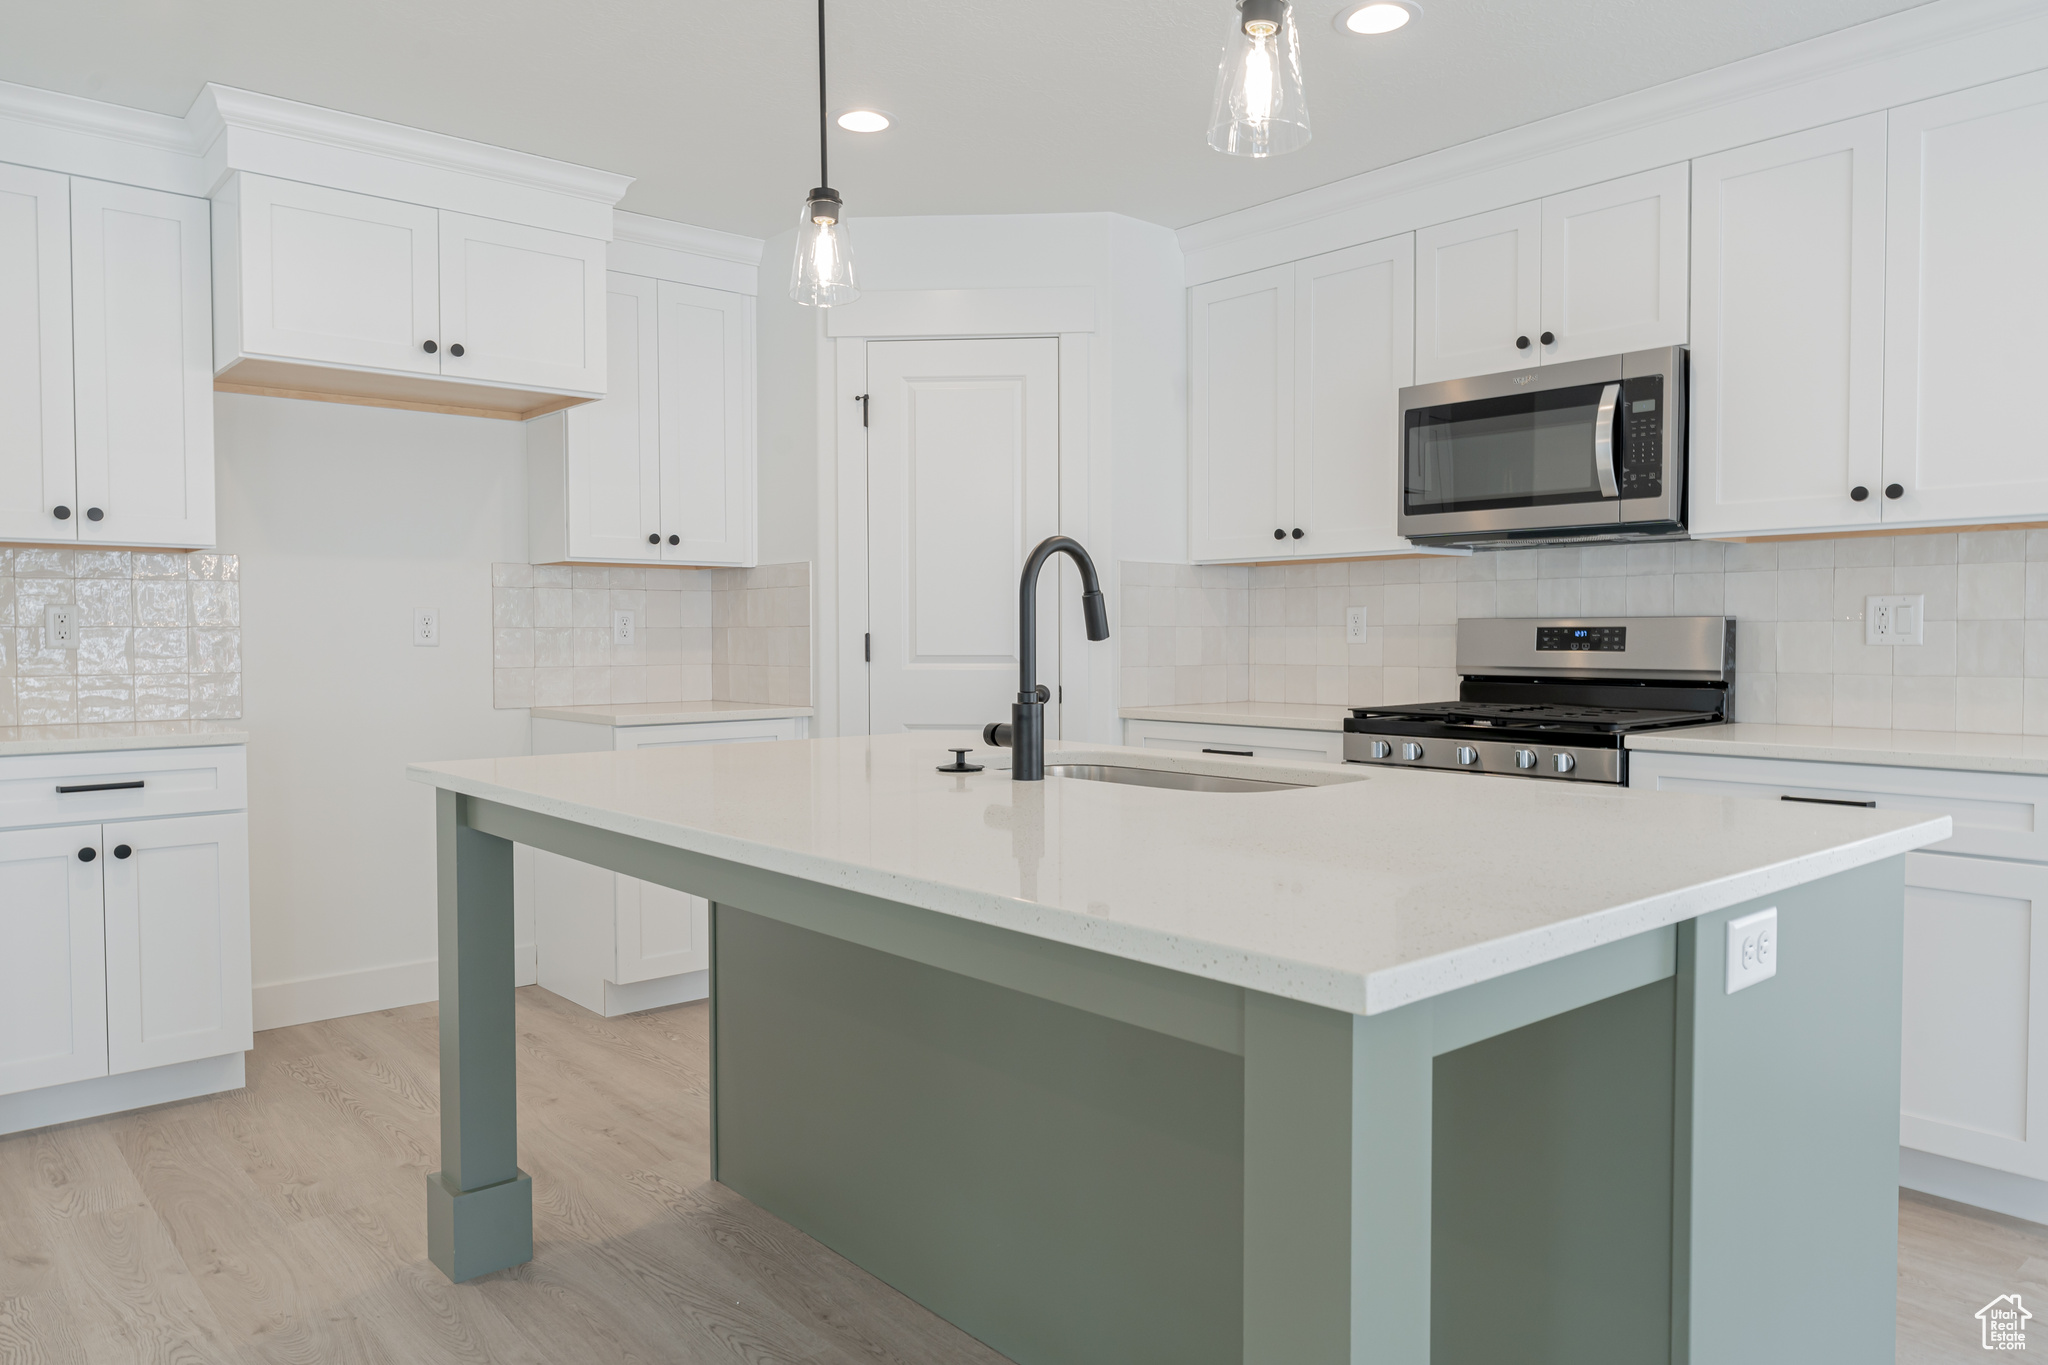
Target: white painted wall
(789,340)
(345,519)
(1149,418)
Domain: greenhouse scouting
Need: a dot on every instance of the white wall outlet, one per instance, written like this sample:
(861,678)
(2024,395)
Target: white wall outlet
(1354,626)
(59,628)
(1894,620)
(426,626)
(622,627)
(1752,949)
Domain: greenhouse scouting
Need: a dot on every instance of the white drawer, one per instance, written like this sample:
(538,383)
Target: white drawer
(121,784)
(708,732)
(1999,815)
(1242,741)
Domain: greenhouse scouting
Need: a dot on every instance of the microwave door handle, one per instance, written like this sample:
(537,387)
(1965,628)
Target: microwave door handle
(1603,441)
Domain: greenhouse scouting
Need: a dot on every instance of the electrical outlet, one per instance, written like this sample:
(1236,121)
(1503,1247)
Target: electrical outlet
(1354,626)
(59,630)
(1752,949)
(426,627)
(622,627)
(1894,620)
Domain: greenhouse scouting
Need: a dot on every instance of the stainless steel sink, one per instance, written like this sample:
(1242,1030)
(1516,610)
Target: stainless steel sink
(1174,781)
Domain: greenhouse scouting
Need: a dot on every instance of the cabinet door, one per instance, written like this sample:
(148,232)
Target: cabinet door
(1354,325)
(1967,291)
(337,278)
(142,323)
(1478,291)
(53,986)
(1241,416)
(1614,266)
(1788,332)
(525,304)
(1974,1084)
(707,425)
(177,939)
(662,932)
(36,455)
(614,445)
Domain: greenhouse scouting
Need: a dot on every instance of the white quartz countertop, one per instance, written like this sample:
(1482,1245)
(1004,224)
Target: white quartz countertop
(40,741)
(1825,744)
(1362,891)
(1277,715)
(669,712)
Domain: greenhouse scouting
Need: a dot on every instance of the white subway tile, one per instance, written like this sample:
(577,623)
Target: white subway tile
(1924,703)
(1863,700)
(1991,591)
(1990,706)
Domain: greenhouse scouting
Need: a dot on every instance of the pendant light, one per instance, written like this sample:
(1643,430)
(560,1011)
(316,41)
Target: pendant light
(1261,109)
(821,273)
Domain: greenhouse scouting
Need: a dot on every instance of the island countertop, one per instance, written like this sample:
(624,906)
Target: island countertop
(1364,890)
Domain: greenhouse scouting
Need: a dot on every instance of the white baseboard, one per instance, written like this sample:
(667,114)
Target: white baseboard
(2017,1196)
(653,995)
(111,1094)
(280,1004)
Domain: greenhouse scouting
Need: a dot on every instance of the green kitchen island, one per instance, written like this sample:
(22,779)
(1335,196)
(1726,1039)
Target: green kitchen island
(1382,1067)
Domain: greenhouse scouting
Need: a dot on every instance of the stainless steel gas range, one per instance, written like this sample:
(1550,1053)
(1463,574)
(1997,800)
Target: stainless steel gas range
(1554,698)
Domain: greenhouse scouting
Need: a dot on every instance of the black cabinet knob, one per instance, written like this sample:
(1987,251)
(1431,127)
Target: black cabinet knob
(1297,533)
(122,850)
(675,540)
(1895,490)
(654,537)
(1858,493)
(1547,338)
(94,514)
(456,349)
(86,855)
(61,513)
(1279,534)
(1521,343)
(429,347)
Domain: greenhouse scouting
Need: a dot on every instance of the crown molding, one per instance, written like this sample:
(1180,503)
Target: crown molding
(641,230)
(95,118)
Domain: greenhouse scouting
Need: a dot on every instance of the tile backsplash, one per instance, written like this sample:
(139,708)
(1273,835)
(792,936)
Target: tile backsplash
(699,634)
(158,644)
(1798,605)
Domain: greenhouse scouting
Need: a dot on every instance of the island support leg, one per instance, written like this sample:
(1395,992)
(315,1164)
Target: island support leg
(479,1204)
(1337,1121)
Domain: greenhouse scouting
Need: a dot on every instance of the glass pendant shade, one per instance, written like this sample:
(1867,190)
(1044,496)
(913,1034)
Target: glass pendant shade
(1261,109)
(821,273)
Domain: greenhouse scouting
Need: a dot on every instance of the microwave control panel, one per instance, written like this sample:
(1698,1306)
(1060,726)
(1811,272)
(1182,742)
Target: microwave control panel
(1642,437)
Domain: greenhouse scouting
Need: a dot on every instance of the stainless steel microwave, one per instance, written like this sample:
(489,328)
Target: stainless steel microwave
(1585,450)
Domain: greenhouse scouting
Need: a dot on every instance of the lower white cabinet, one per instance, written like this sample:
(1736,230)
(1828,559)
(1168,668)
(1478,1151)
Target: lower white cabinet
(53,981)
(1236,741)
(615,944)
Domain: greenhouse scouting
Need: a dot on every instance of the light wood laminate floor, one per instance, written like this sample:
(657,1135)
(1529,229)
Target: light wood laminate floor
(285,1223)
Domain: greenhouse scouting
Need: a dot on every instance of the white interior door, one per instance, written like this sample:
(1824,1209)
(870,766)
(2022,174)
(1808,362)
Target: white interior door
(1478,291)
(1241,415)
(963,480)
(707,425)
(525,304)
(37,463)
(1354,318)
(1614,266)
(337,278)
(142,328)
(53,992)
(1968,286)
(613,446)
(177,939)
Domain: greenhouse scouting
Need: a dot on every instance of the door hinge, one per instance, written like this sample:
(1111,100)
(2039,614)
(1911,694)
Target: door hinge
(862,399)
(867,649)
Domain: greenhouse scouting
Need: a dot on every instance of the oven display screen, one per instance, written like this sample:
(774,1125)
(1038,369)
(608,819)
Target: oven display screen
(1607,639)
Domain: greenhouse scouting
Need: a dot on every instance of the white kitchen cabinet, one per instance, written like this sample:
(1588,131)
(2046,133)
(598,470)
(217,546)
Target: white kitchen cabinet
(140,327)
(1788,366)
(1967,287)
(53,986)
(329,293)
(663,469)
(1236,741)
(1241,415)
(38,462)
(1479,293)
(1614,266)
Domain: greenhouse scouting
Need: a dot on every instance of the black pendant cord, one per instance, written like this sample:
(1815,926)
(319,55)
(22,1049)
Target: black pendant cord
(824,176)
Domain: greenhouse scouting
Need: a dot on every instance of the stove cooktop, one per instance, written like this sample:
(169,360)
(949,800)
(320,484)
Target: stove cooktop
(1521,716)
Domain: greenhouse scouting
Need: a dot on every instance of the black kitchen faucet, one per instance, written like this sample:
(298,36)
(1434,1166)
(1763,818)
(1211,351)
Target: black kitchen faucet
(1025,734)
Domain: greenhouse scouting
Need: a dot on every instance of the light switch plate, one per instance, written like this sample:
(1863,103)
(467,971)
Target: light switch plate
(1895,620)
(59,628)
(1752,949)
(426,627)
(1354,626)
(622,627)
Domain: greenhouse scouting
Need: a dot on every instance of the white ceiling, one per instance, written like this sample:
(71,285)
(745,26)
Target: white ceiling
(1001,106)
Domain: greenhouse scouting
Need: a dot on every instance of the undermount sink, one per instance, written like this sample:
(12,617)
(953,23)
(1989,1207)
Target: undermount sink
(1158,777)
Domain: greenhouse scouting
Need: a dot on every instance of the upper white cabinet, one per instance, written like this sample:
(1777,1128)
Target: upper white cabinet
(1596,271)
(1967,287)
(1241,415)
(38,460)
(663,469)
(327,292)
(1788,326)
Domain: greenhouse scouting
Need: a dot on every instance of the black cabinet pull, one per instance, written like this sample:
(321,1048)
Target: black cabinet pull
(101,787)
(1297,533)
(1234,753)
(122,850)
(1547,338)
(654,537)
(1858,493)
(456,349)
(1895,490)
(675,540)
(1521,343)
(429,347)
(1279,534)
(93,514)
(1829,801)
(86,855)
(61,513)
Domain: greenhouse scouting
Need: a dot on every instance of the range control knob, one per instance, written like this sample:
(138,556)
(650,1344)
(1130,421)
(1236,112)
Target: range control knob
(1467,755)
(1565,763)
(1525,758)
(1411,751)
(1382,749)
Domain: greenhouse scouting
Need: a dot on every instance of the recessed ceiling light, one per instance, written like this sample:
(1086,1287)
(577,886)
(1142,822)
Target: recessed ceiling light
(1376,16)
(863,120)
